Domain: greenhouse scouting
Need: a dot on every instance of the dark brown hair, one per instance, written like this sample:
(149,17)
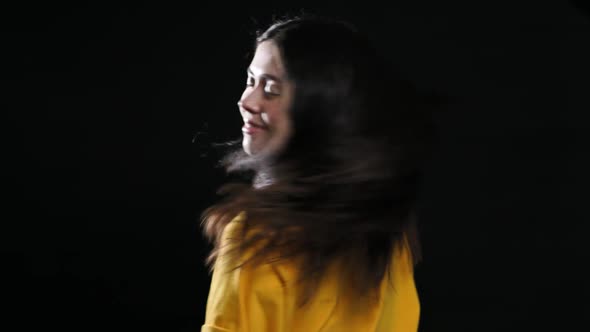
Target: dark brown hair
(346,183)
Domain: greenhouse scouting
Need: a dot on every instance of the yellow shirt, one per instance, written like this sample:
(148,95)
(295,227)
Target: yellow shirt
(257,300)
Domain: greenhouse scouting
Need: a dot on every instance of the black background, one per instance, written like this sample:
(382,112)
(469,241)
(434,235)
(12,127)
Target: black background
(104,184)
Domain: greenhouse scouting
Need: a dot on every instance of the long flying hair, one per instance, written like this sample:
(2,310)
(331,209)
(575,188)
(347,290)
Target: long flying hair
(345,185)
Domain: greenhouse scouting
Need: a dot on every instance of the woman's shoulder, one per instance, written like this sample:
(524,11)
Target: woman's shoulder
(233,237)
(233,227)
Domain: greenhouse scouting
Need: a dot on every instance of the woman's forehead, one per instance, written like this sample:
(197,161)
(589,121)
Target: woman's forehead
(267,60)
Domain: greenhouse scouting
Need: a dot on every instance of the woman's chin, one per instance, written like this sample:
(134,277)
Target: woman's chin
(250,147)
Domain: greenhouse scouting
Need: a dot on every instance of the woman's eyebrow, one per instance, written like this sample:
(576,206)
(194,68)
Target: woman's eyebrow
(266,76)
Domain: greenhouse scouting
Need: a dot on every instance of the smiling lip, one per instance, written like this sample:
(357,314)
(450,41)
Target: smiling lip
(250,128)
(254,124)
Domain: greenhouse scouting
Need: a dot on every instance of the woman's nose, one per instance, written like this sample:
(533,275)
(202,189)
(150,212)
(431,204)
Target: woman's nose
(250,101)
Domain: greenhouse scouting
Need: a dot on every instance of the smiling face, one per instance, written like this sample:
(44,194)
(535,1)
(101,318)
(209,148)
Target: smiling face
(265,102)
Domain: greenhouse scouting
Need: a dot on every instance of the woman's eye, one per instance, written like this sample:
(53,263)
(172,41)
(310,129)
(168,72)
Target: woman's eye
(250,81)
(272,89)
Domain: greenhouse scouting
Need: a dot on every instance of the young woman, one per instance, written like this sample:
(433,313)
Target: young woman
(322,237)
